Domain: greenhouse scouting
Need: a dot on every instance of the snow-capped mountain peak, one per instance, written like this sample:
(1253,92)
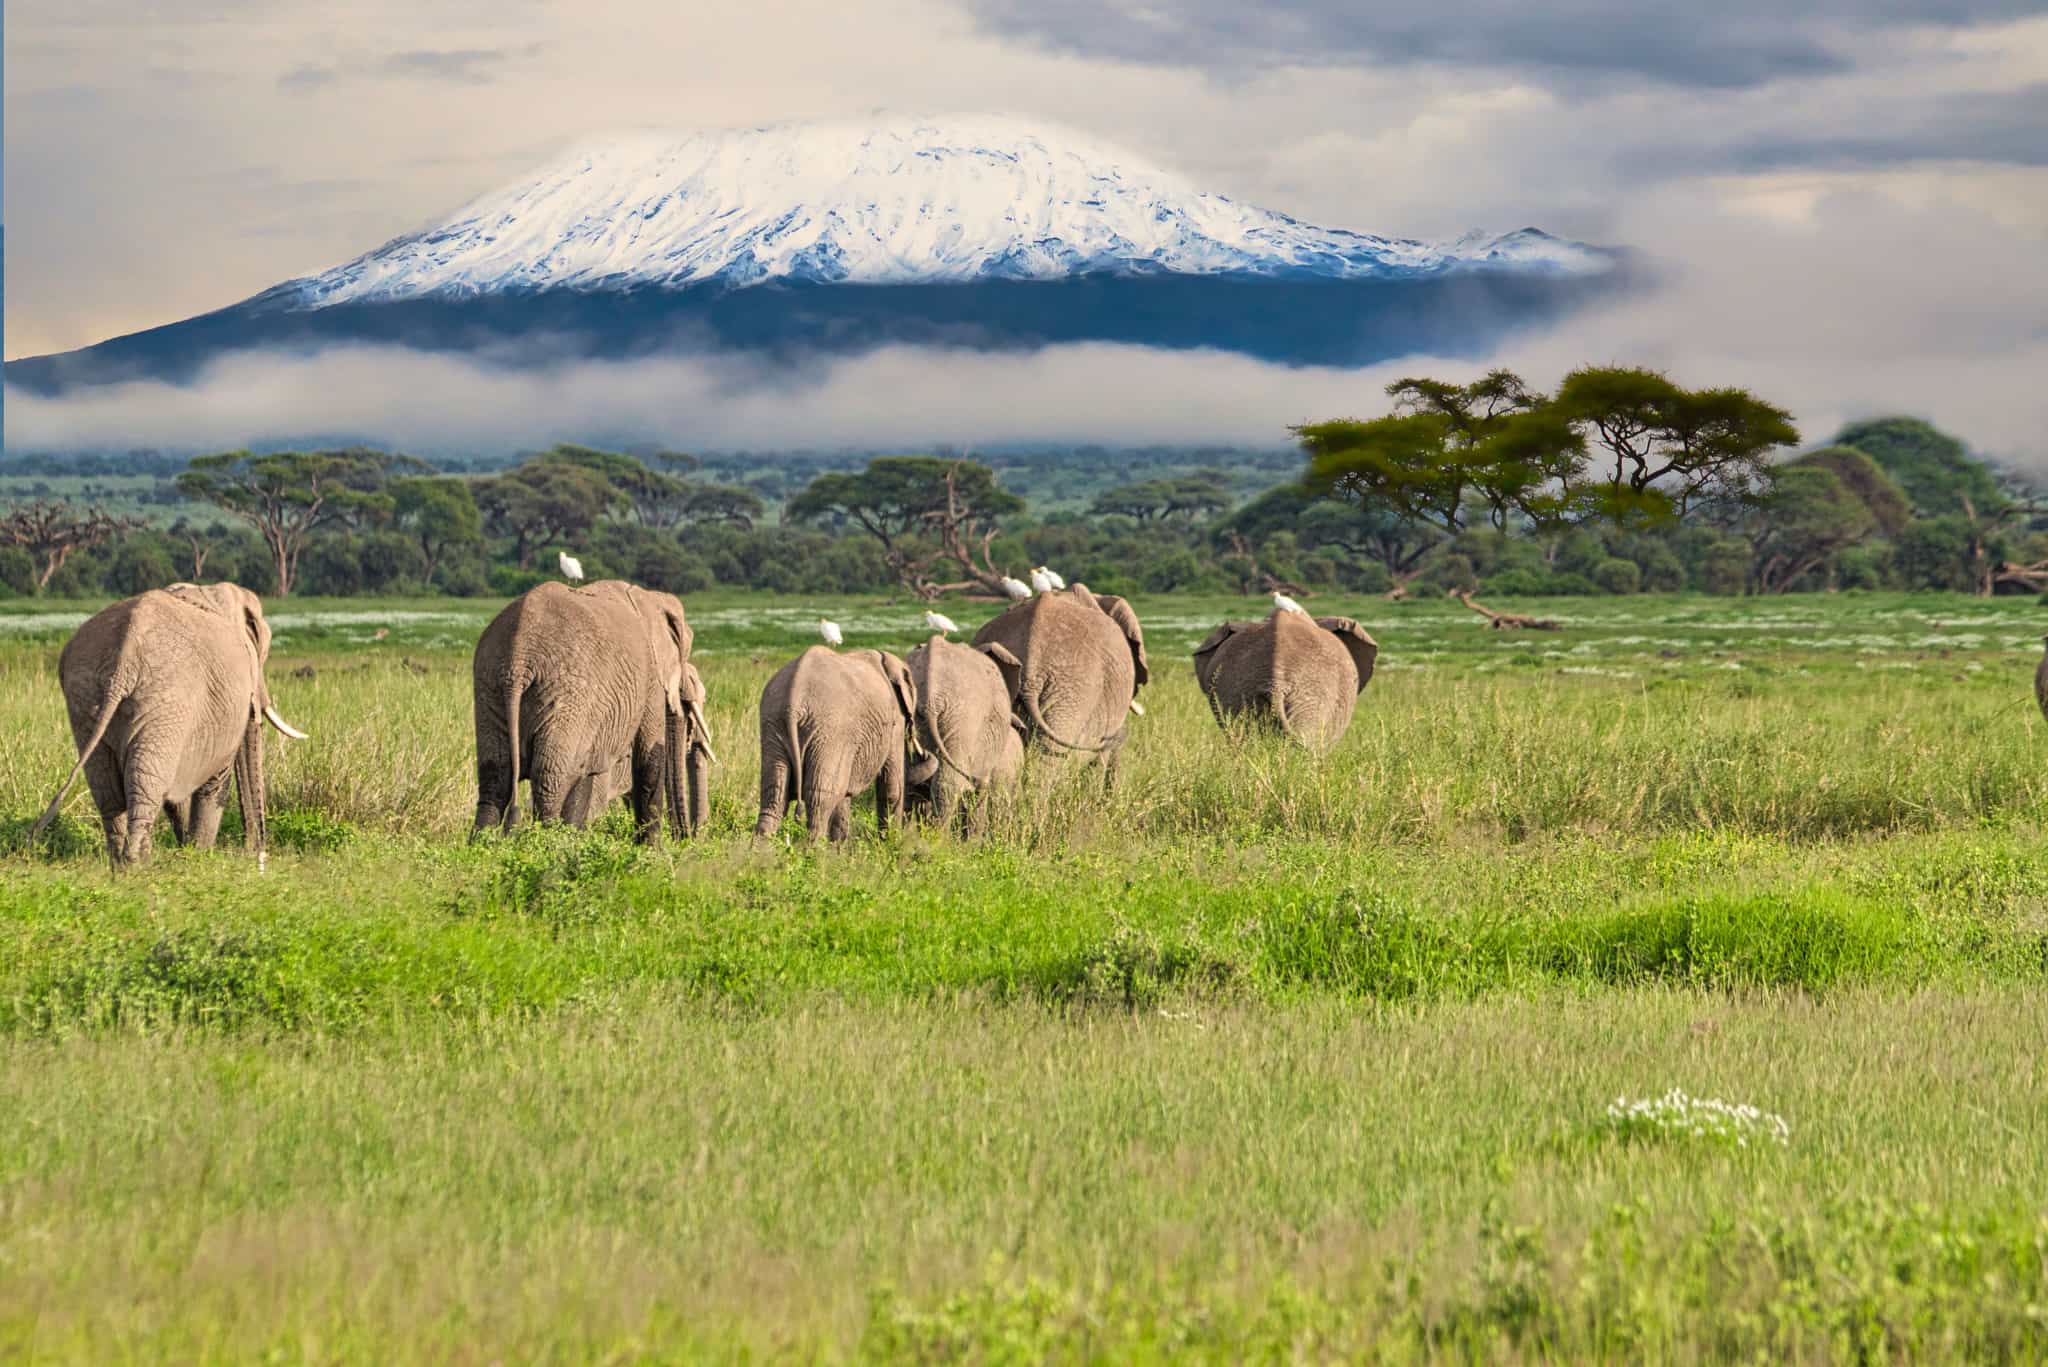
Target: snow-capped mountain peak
(888,201)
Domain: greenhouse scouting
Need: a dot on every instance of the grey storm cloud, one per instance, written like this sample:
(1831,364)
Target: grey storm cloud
(1730,44)
(1992,126)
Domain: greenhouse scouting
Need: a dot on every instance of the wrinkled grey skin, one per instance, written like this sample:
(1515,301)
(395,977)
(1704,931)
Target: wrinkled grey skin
(167,700)
(831,725)
(595,683)
(1081,661)
(972,744)
(1299,674)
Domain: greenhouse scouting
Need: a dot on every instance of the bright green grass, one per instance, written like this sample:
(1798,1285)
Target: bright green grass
(1260,1055)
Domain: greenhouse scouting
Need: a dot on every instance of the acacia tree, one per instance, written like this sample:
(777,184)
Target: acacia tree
(50,530)
(655,499)
(1665,447)
(725,504)
(1803,515)
(1448,456)
(288,495)
(543,501)
(1190,497)
(925,512)
(439,512)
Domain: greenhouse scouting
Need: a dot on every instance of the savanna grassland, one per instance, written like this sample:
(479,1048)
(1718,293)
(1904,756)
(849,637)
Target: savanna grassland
(1258,1055)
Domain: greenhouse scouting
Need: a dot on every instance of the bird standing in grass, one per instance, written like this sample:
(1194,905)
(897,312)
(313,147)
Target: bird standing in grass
(572,568)
(830,631)
(1017,589)
(1284,603)
(1045,581)
(939,622)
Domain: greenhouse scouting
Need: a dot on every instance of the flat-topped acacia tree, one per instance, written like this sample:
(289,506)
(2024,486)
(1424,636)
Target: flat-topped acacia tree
(289,495)
(1620,444)
(926,511)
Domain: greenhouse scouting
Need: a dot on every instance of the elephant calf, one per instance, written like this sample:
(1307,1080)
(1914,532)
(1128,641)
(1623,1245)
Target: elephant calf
(831,725)
(586,692)
(973,743)
(167,699)
(1302,674)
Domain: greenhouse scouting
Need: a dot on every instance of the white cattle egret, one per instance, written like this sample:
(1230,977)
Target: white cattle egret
(1016,588)
(572,568)
(1284,603)
(830,631)
(941,623)
(1051,578)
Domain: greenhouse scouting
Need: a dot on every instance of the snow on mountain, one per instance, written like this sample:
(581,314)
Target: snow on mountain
(889,201)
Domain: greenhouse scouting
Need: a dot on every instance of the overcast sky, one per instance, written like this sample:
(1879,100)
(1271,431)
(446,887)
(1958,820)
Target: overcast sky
(1852,204)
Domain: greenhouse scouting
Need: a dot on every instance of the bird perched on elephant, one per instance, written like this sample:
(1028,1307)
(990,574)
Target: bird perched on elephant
(572,686)
(167,700)
(831,725)
(971,742)
(1298,673)
(1080,662)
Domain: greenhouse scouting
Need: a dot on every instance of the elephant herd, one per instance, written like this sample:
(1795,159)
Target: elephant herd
(589,695)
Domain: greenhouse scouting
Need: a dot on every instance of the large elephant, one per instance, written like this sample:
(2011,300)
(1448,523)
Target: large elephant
(583,691)
(167,700)
(1299,673)
(971,741)
(1080,662)
(831,725)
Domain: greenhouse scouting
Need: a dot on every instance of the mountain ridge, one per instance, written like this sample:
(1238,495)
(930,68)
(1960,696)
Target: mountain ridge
(796,240)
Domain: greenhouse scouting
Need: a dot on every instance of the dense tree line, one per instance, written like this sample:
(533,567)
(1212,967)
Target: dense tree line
(1620,482)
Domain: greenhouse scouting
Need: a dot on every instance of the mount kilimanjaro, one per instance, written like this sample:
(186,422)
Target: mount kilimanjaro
(830,237)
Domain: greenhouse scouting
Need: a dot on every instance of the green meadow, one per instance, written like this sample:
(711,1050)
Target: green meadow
(1258,1055)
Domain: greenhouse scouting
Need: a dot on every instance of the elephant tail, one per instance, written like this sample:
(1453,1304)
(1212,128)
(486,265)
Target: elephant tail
(1038,726)
(119,686)
(945,758)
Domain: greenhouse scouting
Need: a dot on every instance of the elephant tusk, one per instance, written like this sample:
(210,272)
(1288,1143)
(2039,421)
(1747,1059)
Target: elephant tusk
(1137,708)
(284,727)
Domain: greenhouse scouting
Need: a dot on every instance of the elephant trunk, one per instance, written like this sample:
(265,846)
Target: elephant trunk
(698,763)
(673,791)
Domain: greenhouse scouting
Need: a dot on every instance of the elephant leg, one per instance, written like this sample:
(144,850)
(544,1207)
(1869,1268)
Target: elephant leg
(649,765)
(889,794)
(777,792)
(209,801)
(145,801)
(180,816)
(838,822)
(109,788)
(554,784)
(494,793)
(1112,755)
(580,804)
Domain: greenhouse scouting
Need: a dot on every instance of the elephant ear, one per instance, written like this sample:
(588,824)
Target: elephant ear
(250,609)
(1006,663)
(904,687)
(1364,650)
(1120,612)
(670,633)
(1205,653)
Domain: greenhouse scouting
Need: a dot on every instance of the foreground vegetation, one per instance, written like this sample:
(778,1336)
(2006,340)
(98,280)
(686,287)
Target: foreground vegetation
(1258,1055)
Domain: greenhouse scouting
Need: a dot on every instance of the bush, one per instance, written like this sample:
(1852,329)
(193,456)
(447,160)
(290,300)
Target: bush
(138,564)
(1618,576)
